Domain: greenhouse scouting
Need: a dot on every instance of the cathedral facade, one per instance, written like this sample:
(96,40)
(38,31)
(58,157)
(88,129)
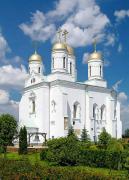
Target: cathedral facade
(51,104)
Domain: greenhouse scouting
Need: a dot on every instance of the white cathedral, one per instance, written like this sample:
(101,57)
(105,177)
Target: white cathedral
(51,104)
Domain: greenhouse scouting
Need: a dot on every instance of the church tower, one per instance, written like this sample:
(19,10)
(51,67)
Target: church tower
(35,64)
(95,69)
(63,59)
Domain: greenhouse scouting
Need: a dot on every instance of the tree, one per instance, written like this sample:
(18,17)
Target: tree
(127,133)
(84,135)
(71,131)
(23,141)
(8,128)
(104,139)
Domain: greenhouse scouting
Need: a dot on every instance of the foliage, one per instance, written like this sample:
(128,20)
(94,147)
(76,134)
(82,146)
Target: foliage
(8,128)
(23,141)
(12,169)
(63,151)
(71,131)
(102,158)
(84,135)
(114,145)
(104,139)
(126,133)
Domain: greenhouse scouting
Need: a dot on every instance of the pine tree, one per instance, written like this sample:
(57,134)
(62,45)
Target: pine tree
(84,135)
(104,139)
(71,131)
(23,141)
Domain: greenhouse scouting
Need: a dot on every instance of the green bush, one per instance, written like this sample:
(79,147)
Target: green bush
(115,145)
(12,169)
(64,151)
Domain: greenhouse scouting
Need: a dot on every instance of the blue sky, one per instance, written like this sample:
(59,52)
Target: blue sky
(21,21)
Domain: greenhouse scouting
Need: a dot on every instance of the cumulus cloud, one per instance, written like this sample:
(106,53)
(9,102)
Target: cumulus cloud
(123,98)
(83,20)
(121,14)
(12,77)
(85,58)
(7,105)
(39,29)
(4,47)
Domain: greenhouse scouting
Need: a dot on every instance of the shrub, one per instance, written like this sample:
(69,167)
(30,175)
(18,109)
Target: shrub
(104,139)
(23,141)
(114,145)
(64,151)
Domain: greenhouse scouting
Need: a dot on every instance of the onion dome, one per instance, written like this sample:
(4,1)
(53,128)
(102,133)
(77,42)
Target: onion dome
(59,46)
(35,57)
(95,55)
(70,50)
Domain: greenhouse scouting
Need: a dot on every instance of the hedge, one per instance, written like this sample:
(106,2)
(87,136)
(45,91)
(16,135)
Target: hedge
(12,169)
(87,157)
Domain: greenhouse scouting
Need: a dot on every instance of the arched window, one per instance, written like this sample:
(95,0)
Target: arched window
(39,69)
(90,70)
(76,110)
(33,106)
(100,70)
(70,68)
(64,64)
(95,111)
(103,112)
(53,63)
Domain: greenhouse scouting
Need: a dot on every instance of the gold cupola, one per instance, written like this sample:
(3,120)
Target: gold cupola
(95,55)
(59,46)
(35,57)
(70,50)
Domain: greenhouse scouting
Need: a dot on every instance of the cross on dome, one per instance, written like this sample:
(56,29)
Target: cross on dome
(65,32)
(59,32)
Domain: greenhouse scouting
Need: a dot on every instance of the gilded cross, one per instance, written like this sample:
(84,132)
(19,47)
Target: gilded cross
(35,46)
(65,32)
(59,34)
(94,44)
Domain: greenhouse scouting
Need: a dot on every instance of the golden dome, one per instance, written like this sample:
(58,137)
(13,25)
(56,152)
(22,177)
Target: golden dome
(70,50)
(35,57)
(95,55)
(59,46)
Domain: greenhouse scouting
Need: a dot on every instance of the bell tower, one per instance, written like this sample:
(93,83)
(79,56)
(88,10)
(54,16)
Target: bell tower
(95,69)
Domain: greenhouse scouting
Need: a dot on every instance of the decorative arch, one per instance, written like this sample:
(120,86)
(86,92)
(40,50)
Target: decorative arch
(32,99)
(95,111)
(103,112)
(76,110)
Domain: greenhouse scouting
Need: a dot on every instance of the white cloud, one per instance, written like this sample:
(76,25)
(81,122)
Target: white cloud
(12,77)
(120,48)
(123,98)
(121,14)
(116,85)
(7,105)
(39,28)
(4,48)
(110,40)
(82,18)
(85,58)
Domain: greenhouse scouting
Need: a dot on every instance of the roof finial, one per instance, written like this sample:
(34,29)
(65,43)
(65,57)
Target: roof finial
(35,45)
(65,32)
(59,34)
(94,44)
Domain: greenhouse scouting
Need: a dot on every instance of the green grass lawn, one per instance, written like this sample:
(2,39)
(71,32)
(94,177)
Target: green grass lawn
(35,158)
